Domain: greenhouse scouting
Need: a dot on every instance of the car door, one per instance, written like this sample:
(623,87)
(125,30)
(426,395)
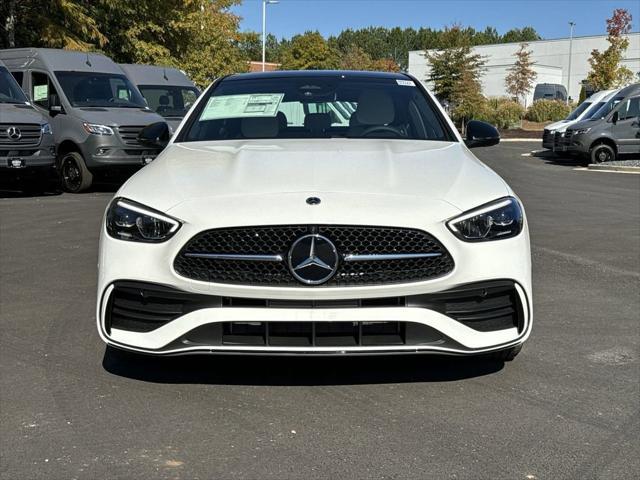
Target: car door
(626,131)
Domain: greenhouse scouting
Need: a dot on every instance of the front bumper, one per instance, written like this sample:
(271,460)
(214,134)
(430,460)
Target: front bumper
(411,312)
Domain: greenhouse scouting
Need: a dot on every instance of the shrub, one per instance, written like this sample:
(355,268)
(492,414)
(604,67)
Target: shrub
(502,113)
(547,111)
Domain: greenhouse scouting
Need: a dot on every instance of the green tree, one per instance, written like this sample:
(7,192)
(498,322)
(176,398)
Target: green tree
(57,24)
(309,51)
(521,75)
(606,71)
(451,67)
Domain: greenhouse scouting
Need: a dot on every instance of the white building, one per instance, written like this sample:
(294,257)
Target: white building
(551,59)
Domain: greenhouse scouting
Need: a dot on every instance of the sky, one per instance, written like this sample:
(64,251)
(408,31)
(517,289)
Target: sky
(549,17)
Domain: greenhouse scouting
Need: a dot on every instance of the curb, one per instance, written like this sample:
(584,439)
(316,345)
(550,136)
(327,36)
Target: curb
(613,168)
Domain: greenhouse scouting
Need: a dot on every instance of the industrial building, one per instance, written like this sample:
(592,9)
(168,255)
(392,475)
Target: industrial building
(553,64)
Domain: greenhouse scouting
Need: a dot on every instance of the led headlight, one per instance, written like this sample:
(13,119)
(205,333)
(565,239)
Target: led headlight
(96,129)
(45,128)
(493,221)
(581,131)
(127,220)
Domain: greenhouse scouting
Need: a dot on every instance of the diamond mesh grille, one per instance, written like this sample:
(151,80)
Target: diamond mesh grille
(277,240)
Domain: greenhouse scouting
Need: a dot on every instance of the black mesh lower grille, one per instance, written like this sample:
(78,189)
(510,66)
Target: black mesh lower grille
(348,240)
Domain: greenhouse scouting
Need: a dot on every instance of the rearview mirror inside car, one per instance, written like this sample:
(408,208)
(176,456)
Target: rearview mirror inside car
(156,135)
(481,134)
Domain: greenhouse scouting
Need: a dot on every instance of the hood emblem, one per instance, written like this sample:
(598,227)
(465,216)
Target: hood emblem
(313,201)
(313,259)
(14,133)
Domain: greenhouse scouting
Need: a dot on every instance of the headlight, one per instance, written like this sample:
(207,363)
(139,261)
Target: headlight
(97,129)
(581,131)
(46,129)
(494,221)
(127,220)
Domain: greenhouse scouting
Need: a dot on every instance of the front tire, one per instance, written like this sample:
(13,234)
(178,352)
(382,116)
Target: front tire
(602,153)
(74,173)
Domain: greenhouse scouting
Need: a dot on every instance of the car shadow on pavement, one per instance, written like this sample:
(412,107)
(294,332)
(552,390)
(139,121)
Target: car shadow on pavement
(552,158)
(296,370)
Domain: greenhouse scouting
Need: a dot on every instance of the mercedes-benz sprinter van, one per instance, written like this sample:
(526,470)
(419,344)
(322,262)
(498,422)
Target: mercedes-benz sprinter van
(27,148)
(168,91)
(94,110)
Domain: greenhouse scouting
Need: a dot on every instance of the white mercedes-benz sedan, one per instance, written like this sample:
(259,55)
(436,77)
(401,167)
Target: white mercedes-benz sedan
(316,213)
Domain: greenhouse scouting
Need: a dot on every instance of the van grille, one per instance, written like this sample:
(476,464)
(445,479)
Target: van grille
(29,133)
(129,134)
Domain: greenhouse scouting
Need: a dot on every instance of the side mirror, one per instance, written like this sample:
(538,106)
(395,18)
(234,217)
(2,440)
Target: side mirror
(615,117)
(54,105)
(156,135)
(481,134)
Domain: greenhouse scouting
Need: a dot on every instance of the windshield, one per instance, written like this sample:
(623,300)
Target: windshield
(576,113)
(88,89)
(316,107)
(10,91)
(169,101)
(593,110)
(604,110)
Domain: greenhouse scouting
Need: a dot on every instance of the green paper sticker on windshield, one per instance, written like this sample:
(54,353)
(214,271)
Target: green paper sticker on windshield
(40,92)
(238,106)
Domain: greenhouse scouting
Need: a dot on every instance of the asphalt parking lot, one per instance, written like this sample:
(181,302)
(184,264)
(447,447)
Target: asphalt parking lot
(567,407)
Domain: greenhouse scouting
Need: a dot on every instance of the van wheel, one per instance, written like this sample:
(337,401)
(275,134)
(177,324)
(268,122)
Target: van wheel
(75,175)
(602,153)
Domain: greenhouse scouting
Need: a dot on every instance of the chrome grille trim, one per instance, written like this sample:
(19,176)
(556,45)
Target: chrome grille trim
(31,134)
(389,256)
(231,256)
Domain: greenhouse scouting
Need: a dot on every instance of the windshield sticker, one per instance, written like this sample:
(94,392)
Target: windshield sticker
(40,92)
(406,83)
(237,106)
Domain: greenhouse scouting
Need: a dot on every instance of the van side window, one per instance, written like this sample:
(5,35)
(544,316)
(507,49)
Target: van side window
(18,76)
(630,109)
(41,89)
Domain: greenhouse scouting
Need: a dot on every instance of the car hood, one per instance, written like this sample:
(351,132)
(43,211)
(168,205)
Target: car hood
(556,125)
(20,113)
(584,124)
(262,175)
(117,116)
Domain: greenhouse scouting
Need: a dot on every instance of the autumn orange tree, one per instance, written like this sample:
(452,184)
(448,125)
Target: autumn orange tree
(606,70)
(521,75)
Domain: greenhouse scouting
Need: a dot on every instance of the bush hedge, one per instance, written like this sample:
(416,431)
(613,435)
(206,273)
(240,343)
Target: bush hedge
(502,113)
(547,111)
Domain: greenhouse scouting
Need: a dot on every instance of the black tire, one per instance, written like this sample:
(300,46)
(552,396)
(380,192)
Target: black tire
(602,153)
(506,355)
(74,174)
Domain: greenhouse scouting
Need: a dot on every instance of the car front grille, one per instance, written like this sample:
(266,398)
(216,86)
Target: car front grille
(129,134)
(348,240)
(547,136)
(29,134)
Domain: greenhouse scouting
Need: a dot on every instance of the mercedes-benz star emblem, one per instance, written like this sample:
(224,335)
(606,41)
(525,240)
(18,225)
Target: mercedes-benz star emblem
(313,259)
(14,133)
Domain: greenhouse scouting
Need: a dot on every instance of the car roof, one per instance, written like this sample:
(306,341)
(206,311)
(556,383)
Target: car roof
(318,73)
(54,59)
(156,75)
(632,89)
(596,97)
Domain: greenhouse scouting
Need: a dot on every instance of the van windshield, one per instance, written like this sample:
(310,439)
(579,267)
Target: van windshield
(606,108)
(576,113)
(169,101)
(10,91)
(88,89)
(307,106)
(593,110)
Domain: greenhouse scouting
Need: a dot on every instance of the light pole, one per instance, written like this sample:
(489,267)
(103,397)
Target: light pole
(264,28)
(571,24)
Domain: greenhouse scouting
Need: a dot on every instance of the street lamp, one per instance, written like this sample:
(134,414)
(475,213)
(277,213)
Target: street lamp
(571,24)
(264,28)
